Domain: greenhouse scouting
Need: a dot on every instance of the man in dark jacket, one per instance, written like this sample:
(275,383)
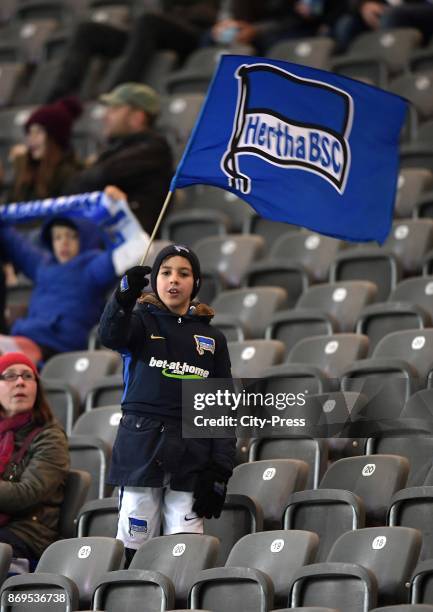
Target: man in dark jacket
(136,159)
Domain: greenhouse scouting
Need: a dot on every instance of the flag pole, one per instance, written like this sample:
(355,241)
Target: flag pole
(157,224)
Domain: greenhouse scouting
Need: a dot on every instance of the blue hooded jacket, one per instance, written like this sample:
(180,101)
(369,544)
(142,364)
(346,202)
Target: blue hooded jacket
(67,298)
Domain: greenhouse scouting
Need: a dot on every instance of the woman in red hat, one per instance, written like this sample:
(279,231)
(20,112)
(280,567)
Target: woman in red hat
(34,460)
(46,163)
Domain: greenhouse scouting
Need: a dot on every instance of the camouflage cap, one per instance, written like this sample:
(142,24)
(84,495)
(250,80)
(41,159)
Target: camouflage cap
(136,95)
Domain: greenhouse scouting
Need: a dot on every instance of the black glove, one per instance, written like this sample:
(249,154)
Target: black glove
(210,491)
(131,285)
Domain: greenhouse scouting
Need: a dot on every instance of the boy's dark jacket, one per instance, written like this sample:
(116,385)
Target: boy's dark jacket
(150,429)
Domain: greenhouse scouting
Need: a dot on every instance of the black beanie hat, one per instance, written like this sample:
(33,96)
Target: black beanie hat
(179,250)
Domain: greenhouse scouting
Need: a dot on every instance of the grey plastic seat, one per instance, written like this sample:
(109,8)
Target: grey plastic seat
(354,492)
(417,88)
(81,369)
(315,52)
(376,265)
(399,366)
(322,309)
(251,357)
(364,568)
(5,560)
(312,251)
(409,306)
(337,408)
(269,230)
(101,423)
(76,488)
(257,572)
(412,184)
(411,507)
(91,454)
(378,54)
(409,241)
(196,74)
(105,392)
(226,202)
(405,608)
(248,310)
(329,353)
(177,118)
(64,402)
(291,326)
(421,587)
(229,256)
(185,227)
(269,483)
(313,451)
(291,276)
(161,573)
(240,516)
(98,517)
(69,567)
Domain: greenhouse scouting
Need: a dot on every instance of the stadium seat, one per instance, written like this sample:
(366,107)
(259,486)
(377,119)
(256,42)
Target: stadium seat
(5,560)
(409,306)
(76,488)
(379,54)
(337,408)
(287,274)
(313,251)
(161,573)
(421,587)
(315,52)
(412,507)
(412,184)
(80,369)
(91,454)
(248,310)
(329,353)
(70,568)
(399,366)
(189,226)
(196,73)
(207,196)
(351,495)
(369,264)
(12,75)
(64,402)
(98,517)
(269,483)
(405,608)
(105,392)
(424,204)
(251,357)
(409,241)
(362,566)
(269,230)
(177,118)
(240,516)
(229,256)
(417,87)
(256,574)
(322,309)
(101,423)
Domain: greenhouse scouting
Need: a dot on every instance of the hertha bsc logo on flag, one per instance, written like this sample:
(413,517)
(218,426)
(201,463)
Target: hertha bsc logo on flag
(300,145)
(261,127)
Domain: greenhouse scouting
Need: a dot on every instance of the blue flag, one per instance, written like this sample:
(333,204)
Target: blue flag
(300,145)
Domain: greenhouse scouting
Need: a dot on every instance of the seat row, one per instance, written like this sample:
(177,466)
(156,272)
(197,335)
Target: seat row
(263,571)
